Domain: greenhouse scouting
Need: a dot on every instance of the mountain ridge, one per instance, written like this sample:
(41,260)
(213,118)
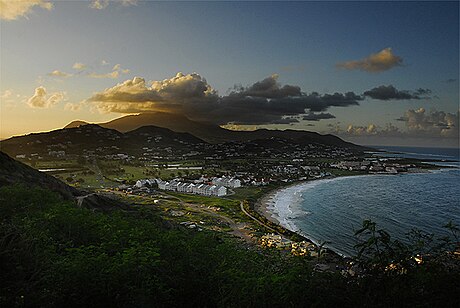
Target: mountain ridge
(213,133)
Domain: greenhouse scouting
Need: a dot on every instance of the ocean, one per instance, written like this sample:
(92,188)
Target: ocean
(331,210)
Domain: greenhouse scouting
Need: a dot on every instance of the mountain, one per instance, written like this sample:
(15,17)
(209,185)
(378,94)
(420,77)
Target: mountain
(214,133)
(14,172)
(76,123)
(175,122)
(94,138)
(141,134)
(72,141)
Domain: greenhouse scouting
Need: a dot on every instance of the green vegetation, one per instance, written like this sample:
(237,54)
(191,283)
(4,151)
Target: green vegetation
(230,207)
(54,254)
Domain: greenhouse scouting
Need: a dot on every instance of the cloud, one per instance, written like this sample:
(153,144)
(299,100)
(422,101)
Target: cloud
(12,10)
(79,66)
(374,63)
(389,130)
(317,116)
(419,124)
(57,73)
(128,2)
(99,4)
(433,123)
(102,4)
(264,102)
(371,129)
(451,80)
(391,93)
(73,106)
(41,100)
(117,68)
(7,94)
(114,74)
(175,94)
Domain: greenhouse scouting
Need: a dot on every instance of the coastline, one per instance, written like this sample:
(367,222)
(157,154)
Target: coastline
(261,206)
(265,206)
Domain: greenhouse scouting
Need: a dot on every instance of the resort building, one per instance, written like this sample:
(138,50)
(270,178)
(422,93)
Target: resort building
(201,189)
(227,182)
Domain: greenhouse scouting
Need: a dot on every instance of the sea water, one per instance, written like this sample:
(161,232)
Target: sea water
(331,210)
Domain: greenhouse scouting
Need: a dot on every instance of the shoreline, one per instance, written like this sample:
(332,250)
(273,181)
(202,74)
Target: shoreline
(263,204)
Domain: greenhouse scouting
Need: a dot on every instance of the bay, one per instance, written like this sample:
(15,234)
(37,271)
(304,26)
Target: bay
(331,210)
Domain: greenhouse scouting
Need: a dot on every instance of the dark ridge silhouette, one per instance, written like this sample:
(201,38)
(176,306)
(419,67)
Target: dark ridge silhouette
(215,134)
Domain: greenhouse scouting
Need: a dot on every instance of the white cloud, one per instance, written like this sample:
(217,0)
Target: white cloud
(7,94)
(41,99)
(99,4)
(57,73)
(137,95)
(116,70)
(128,2)
(79,66)
(73,106)
(112,75)
(117,67)
(102,4)
(13,9)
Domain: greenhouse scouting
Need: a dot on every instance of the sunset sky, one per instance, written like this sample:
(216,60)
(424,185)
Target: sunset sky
(369,72)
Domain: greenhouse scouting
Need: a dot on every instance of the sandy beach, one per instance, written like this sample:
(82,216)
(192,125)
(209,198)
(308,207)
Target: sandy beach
(264,206)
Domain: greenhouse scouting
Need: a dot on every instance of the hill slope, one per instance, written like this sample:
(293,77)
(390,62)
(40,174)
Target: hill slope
(92,137)
(213,133)
(14,172)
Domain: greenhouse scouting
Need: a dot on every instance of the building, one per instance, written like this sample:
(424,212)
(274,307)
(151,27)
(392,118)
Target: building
(227,182)
(183,187)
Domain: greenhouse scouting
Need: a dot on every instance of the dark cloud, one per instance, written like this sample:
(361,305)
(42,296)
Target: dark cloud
(391,93)
(317,116)
(264,102)
(286,121)
(268,88)
(451,80)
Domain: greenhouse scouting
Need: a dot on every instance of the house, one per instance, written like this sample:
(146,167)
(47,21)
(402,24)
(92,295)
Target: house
(227,182)
(140,183)
(221,191)
(162,184)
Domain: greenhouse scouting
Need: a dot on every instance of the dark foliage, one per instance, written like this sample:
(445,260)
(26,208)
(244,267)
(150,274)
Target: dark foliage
(54,254)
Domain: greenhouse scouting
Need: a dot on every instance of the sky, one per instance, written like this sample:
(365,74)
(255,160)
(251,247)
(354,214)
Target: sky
(374,73)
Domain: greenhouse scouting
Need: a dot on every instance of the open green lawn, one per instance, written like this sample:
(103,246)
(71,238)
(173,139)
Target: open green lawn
(251,192)
(230,207)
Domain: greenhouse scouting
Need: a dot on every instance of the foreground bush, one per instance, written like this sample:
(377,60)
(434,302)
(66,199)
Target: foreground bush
(53,254)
